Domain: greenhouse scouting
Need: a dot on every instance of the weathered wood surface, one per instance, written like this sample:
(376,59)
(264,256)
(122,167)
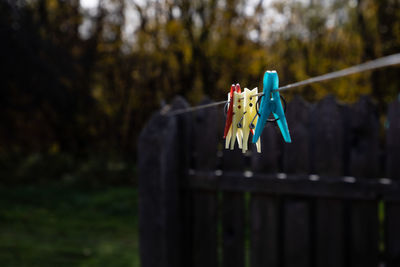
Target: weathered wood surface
(233,229)
(327,130)
(233,214)
(328,219)
(364,234)
(297,220)
(327,133)
(271,150)
(297,154)
(205,137)
(184,159)
(364,135)
(392,211)
(265,229)
(364,162)
(205,203)
(297,234)
(264,210)
(392,234)
(393,140)
(294,185)
(159,191)
(204,247)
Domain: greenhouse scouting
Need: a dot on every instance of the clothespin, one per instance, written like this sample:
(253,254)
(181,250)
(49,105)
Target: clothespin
(229,114)
(271,103)
(236,118)
(250,117)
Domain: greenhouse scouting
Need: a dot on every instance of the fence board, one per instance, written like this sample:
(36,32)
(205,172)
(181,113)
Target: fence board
(295,185)
(393,140)
(364,132)
(329,233)
(297,243)
(296,157)
(327,152)
(294,221)
(297,227)
(159,191)
(264,211)
(233,225)
(205,137)
(392,234)
(271,149)
(327,137)
(205,203)
(204,229)
(392,211)
(364,162)
(184,124)
(364,235)
(233,214)
(264,231)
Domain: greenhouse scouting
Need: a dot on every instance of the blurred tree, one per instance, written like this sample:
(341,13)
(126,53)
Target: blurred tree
(77,80)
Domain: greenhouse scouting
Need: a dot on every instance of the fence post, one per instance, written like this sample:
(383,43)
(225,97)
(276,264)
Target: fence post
(159,169)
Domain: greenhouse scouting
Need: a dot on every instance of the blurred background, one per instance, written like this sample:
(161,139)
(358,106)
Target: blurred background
(80,78)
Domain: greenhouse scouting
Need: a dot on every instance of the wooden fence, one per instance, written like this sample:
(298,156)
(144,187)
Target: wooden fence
(330,198)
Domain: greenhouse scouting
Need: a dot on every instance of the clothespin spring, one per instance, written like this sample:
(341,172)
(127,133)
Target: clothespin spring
(239,125)
(226,108)
(270,120)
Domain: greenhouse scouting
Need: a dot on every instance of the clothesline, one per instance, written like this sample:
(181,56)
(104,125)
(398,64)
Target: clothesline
(370,65)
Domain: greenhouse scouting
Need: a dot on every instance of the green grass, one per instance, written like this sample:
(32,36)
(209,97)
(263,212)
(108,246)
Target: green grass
(58,226)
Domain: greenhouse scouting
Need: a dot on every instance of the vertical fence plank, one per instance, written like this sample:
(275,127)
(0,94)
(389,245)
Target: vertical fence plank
(297,224)
(271,149)
(184,124)
(205,145)
(264,209)
(327,137)
(297,243)
(364,163)
(297,154)
(364,135)
(327,151)
(205,137)
(159,191)
(364,236)
(264,231)
(393,140)
(233,229)
(392,234)
(204,247)
(233,215)
(392,211)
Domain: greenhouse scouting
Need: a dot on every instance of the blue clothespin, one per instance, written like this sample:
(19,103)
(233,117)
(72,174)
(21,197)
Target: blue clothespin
(271,104)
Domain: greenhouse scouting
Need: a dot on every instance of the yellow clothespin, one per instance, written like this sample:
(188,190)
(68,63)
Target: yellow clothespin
(250,117)
(236,120)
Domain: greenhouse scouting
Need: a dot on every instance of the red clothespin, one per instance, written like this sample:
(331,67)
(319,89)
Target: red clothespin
(229,116)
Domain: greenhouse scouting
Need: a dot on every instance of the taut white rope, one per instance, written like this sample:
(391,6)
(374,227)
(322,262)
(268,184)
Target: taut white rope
(371,65)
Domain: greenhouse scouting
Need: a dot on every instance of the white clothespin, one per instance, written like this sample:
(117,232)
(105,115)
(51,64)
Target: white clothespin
(236,120)
(250,117)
